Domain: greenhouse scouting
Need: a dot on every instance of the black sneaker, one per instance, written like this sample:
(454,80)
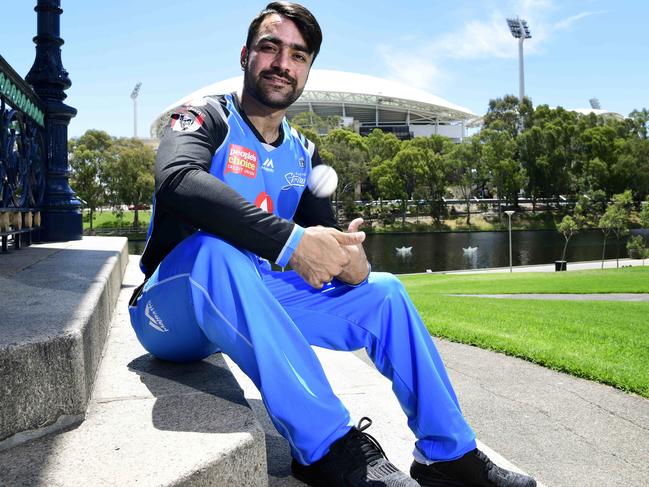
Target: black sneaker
(355,460)
(473,469)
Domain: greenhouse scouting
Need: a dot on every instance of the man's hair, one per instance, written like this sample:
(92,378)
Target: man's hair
(303,19)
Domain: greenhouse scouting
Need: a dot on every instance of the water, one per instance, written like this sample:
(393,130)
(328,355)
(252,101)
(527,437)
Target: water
(444,251)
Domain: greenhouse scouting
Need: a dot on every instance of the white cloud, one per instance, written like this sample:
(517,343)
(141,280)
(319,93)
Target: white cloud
(567,22)
(475,39)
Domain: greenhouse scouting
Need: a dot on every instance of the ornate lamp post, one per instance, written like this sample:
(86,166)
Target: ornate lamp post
(509,216)
(61,212)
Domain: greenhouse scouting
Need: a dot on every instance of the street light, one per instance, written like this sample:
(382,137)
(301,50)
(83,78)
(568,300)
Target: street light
(134,93)
(520,30)
(509,215)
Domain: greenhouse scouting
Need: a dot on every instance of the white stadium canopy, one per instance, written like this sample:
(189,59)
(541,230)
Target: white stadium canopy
(365,100)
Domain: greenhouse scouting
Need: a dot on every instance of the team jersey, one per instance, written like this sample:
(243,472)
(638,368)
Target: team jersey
(214,172)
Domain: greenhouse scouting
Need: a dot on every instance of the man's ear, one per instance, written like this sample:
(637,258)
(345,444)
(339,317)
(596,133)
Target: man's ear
(244,57)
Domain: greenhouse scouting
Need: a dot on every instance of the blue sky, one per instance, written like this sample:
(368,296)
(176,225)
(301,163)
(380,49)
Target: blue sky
(460,50)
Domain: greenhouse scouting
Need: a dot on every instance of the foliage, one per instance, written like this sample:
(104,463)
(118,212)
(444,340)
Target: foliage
(568,227)
(637,248)
(616,220)
(129,177)
(89,155)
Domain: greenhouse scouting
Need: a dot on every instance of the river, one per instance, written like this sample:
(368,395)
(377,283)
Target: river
(446,251)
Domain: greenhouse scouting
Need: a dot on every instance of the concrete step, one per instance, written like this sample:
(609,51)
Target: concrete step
(56,302)
(365,392)
(149,423)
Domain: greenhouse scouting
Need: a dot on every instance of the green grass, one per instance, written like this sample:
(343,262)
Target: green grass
(625,280)
(603,341)
(108,219)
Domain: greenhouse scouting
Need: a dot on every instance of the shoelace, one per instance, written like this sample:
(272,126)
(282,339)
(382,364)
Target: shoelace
(488,464)
(369,447)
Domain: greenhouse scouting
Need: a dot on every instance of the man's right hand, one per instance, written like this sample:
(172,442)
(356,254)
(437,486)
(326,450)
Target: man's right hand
(320,255)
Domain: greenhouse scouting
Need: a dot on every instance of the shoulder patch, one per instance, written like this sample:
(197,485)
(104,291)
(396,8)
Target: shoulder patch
(187,119)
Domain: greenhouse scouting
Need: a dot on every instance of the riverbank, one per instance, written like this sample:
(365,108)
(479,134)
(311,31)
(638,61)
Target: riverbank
(109,223)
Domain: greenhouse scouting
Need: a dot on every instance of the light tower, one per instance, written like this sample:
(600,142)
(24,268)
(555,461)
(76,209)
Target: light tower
(520,31)
(136,91)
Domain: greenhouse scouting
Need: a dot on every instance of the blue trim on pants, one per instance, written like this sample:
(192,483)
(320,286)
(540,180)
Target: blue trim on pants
(207,295)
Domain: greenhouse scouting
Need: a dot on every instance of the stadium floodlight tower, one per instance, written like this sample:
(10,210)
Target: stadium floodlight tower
(134,93)
(520,31)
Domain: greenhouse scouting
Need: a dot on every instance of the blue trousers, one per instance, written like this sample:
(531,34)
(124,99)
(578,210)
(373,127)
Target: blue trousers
(207,295)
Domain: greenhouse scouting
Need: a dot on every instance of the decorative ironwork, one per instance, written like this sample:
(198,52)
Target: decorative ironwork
(22,147)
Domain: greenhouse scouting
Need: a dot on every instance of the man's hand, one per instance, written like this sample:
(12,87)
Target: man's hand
(323,253)
(357,268)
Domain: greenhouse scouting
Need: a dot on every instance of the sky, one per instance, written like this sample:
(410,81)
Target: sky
(460,50)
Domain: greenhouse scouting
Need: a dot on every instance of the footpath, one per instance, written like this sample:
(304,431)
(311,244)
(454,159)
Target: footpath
(140,421)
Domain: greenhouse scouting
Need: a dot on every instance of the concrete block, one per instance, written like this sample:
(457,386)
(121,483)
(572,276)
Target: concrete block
(149,423)
(56,300)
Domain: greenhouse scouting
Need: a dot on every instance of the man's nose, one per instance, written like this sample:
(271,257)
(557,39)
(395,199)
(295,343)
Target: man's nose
(281,60)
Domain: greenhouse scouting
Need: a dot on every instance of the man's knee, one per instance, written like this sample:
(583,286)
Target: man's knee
(386,284)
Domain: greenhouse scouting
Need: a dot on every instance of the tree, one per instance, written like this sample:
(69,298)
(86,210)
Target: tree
(129,176)
(310,120)
(616,220)
(640,120)
(509,115)
(347,153)
(411,169)
(464,164)
(498,155)
(90,154)
(568,227)
(636,247)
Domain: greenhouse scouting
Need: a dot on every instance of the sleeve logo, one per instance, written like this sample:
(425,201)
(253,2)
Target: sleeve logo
(241,160)
(187,120)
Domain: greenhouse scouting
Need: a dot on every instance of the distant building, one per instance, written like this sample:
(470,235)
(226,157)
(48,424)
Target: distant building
(363,102)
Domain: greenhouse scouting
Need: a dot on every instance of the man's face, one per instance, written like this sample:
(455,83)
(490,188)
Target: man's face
(277,64)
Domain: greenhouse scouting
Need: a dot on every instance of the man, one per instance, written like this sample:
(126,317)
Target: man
(230,197)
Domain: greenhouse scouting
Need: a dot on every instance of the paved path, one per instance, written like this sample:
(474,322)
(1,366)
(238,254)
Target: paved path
(572,266)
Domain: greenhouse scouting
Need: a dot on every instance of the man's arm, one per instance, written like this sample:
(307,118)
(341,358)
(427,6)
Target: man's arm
(314,211)
(186,189)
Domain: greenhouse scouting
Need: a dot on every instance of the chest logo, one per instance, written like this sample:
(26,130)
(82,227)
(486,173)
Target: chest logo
(268,165)
(264,202)
(242,160)
(294,179)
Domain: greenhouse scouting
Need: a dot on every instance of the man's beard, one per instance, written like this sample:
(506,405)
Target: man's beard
(266,95)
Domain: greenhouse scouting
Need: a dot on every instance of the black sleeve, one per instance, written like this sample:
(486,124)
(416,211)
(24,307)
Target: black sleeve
(185,189)
(312,211)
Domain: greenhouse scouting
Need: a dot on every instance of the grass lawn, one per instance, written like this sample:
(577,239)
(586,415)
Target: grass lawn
(603,341)
(108,219)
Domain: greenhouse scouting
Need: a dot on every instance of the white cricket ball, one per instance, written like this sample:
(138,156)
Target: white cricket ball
(323,181)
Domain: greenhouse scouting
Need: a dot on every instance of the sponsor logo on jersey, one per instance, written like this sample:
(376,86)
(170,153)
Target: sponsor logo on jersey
(294,179)
(187,119)
(264,202)
(268,165)
(302,163)
(155,321)
(242,160)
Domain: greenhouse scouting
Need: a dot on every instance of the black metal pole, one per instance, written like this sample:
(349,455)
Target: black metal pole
(61,212)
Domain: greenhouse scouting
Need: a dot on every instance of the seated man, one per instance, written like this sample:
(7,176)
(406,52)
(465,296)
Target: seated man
(230,197)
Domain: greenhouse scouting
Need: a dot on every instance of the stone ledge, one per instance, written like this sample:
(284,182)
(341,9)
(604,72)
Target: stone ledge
(57,300)
(149,423)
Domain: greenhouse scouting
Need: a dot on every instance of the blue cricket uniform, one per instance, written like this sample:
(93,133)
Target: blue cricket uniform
(226,203)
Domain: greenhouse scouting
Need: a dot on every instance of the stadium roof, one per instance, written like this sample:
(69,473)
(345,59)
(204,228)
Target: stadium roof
(368,99)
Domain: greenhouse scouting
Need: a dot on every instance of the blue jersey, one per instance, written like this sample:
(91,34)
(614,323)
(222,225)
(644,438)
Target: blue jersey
(214,172)
(268,176)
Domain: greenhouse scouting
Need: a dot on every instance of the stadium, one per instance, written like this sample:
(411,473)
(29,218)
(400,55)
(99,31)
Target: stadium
(362,102)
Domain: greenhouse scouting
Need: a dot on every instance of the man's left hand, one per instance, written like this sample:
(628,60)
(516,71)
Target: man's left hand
(356,271)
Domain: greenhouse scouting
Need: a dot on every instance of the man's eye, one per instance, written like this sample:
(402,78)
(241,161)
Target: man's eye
(268,48)
(299,57)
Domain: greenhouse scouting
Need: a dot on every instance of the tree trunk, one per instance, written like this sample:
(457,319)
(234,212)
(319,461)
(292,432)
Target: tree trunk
(136,219)
(468,210)
(604,249)
(91,216)
(404,207)
(565,247)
